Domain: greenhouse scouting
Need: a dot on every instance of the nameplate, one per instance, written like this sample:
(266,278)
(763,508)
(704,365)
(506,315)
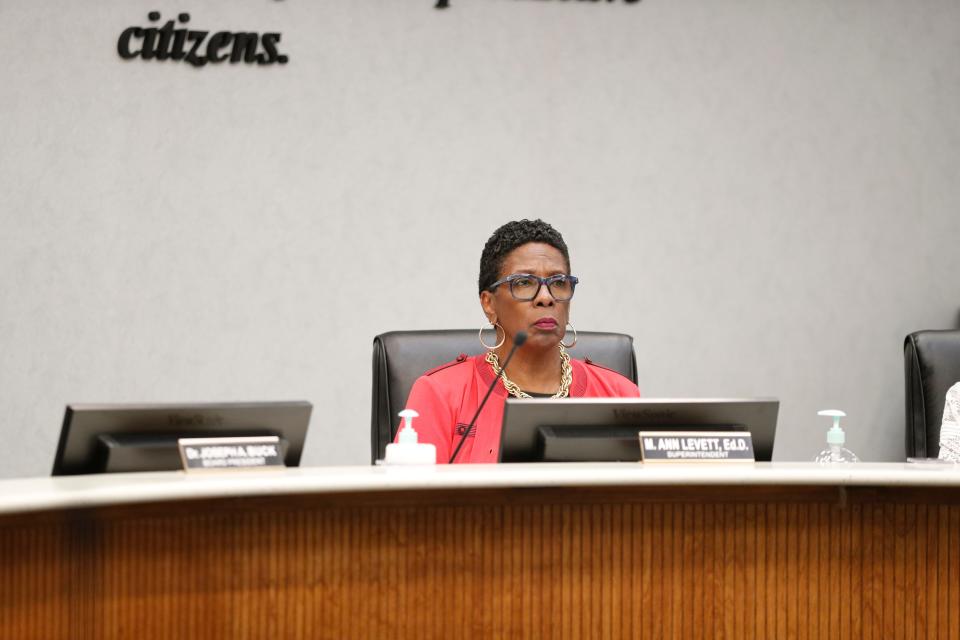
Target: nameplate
(696,446)
(230,453)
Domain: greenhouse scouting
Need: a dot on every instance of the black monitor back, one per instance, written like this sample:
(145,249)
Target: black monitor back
(99,438)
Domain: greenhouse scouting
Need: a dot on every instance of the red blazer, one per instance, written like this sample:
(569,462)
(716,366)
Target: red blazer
(447,397)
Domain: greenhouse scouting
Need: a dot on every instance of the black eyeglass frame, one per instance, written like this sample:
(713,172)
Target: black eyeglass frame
(560,277)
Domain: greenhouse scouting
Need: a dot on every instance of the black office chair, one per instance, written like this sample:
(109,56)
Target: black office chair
(932,365)
(400,357)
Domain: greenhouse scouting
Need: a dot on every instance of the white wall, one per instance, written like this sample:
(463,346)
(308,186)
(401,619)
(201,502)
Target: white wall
(765,194)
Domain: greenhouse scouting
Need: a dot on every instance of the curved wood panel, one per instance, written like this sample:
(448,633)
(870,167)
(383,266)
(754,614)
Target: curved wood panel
(595,563)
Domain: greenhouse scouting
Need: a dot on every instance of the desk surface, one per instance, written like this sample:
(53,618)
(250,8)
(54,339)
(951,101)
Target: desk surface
(65,492)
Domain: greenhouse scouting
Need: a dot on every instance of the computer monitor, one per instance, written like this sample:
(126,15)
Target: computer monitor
(605,429)
(104,438)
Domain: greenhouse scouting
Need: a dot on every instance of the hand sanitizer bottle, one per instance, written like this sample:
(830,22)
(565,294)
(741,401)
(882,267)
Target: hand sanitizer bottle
(835,453)
(406,450)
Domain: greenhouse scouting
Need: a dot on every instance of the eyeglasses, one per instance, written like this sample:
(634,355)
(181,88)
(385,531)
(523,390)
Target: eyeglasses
(526,286)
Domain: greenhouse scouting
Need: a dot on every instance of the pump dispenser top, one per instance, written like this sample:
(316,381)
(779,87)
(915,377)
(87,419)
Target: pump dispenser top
(835,451)
(407,449)
(835,435)
(407,434)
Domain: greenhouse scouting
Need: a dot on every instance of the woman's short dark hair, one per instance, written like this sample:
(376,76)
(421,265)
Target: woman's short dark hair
(509,237)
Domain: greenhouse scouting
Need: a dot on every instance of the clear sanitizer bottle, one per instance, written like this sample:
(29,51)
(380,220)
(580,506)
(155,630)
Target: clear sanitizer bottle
(407,450)
(835,453)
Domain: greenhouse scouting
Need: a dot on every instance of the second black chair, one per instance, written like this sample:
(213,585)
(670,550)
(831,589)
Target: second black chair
(931,367)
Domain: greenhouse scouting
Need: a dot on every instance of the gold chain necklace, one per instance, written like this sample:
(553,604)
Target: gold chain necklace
(566,376)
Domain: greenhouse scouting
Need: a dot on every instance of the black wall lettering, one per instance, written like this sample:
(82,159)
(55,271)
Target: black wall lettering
(149,50)
(164,42)
(270,55)
(180,38)
(218,41)
(123,44)
(244,47)
(197,38)
(170,43)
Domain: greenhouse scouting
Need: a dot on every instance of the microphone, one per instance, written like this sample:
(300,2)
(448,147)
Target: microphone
(518,341)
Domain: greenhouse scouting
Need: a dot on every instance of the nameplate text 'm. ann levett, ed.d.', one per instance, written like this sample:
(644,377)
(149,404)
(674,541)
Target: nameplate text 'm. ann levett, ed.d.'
(696,446)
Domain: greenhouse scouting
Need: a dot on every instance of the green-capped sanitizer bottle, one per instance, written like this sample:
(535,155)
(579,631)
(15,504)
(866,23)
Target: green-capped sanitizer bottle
(835,453)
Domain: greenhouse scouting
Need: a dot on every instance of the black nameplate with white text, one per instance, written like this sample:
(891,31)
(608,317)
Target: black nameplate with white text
(696,446)
(230,453)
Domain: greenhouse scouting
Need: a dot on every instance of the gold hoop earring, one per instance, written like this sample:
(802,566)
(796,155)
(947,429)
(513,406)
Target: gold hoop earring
(571,345)
(492,325)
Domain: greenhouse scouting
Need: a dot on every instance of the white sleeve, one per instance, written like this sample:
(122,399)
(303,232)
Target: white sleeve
(950,428)
(951,408)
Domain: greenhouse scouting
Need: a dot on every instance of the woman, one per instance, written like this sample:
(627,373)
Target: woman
(950,427)
(525,285)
